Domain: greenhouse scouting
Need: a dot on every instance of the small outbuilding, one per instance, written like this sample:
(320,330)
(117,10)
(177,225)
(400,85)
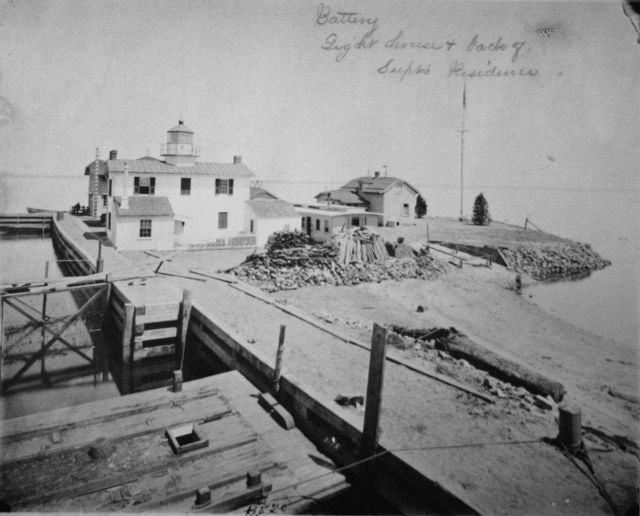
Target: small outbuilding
(321,223)
(141,222)
(266,216)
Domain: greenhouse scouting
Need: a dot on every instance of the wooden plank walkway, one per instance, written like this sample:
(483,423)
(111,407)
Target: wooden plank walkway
(48,463)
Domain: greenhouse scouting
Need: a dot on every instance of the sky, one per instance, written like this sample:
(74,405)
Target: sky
(284,85)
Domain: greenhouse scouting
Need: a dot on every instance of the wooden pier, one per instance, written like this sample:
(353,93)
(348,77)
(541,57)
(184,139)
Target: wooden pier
(21,222)
(147,317)
(117,455)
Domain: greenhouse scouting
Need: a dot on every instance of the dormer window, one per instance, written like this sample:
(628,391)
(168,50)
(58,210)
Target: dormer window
(224,186)
(144,185)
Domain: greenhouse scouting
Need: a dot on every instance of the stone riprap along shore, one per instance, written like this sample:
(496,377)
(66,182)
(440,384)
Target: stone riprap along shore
(554,260)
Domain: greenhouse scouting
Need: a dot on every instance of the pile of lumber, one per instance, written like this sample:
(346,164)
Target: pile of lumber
(317,265)
(287,240)
(360,245)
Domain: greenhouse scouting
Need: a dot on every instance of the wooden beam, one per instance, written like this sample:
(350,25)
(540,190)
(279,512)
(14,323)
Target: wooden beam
(371,430)
(53,339)
(1,335)
(279,354)
(183,321)
(127,332)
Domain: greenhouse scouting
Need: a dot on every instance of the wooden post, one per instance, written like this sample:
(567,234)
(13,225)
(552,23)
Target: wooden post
(428,239)
(43,372)
(570,426)
(373,404)
(278,370)
(1,335)
(127,331)
(100,260)
(185,313)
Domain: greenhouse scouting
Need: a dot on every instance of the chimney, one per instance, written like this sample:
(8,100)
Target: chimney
(360,185)
(113,154)
(124,202)
(237,160)
(376,174)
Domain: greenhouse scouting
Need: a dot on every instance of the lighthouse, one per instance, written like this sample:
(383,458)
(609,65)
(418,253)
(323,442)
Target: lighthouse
(180,149)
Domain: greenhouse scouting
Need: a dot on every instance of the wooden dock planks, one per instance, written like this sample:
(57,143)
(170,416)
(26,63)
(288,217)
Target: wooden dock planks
(46,465)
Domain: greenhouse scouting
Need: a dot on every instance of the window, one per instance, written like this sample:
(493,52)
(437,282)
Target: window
(104,200)
(304,219)
(145,228)
(326,226)
(185,186)
(317,224)
(143,185)
(405,210)
(109,221)
(355,221)
(110,187)
(224,186)
(222,220)
(251,226)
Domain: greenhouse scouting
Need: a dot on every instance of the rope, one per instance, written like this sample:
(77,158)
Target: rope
(380,454)
(590,474)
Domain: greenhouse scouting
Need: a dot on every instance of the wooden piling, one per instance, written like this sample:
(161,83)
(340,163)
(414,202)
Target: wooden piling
(371,430)
(127,332)
(43,332)
(185,313)
(278,369)
(570,426)
(1,335)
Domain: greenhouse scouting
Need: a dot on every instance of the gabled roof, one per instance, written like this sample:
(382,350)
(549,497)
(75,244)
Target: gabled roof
(272,208)
(102,168)
(342,196)
(146,166)
(144,206)
(375,185)
(256,192)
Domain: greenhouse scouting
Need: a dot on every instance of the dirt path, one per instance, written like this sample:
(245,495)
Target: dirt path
(419,412)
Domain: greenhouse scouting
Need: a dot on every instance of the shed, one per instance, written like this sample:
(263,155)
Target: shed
(266,216)
(141,222)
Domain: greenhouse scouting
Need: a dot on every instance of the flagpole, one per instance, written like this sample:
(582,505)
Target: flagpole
(462,131)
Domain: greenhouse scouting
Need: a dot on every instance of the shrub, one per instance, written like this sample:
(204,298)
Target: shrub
(421,207)
(481,215)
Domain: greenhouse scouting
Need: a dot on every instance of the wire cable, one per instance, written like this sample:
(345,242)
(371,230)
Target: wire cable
(394,450)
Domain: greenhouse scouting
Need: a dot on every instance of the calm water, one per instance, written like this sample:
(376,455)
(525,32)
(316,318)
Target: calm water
(605,303)
(24,258)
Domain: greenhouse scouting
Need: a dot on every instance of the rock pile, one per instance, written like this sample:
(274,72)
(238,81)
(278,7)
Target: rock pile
(288,269)
(546,261)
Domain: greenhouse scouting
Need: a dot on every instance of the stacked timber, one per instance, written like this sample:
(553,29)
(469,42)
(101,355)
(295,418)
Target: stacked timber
(287,240)
(360,245)
(548,261)
(288,269)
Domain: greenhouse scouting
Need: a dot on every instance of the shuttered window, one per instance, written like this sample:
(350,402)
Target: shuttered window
(224,186)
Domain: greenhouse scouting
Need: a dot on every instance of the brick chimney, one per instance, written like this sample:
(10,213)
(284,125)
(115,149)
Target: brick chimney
(376,174)
(237,160)
(113,154)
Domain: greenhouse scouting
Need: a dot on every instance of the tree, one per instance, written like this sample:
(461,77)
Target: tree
(421,207)
(481,215)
